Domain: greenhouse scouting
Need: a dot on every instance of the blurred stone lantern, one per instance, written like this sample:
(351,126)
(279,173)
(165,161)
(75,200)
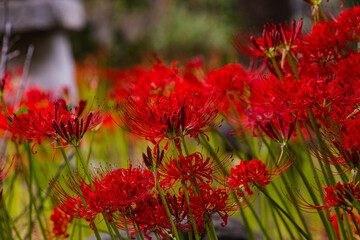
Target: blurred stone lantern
(44,23)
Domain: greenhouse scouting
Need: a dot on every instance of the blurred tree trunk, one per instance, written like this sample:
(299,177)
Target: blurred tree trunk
(255,13)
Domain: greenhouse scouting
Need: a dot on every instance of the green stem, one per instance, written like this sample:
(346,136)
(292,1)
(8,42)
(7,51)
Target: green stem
(118,235)
(32,201)
(173,227)
(285,213)
(109,228)
(126,227)
(9,220)
(72,234)
(185,147)
(97,235)
(90,147)
(135,228)
(355,222)
(276,67)
(193,223)
(286,225)
(293,66)
(212,228)
(276,224)
(328,228)
(341,225)
(81,158)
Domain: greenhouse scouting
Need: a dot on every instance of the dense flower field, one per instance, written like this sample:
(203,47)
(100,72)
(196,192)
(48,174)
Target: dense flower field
(155,158)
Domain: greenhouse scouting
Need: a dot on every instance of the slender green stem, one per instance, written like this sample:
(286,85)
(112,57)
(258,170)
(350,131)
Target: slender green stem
(80,228)
(118,235)
(32,200)
(347,222)
(212,228)
(209,232)
(283,211)
(173,227)
(185,146)
(276,224)
(276,67)
(293,66)
(90,147)
(86,170)
(96,232)
(156,235)
(341,225)
(355,222)
(328,228)
(266,234)
(193,223)
(126,227)
(109,228)
(9,220)
(135,228)
(285,224)
(72,234)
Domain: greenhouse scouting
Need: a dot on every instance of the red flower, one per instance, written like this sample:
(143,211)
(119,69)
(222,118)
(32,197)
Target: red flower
(150,215)
(116,191)
(159,81)
(228,82)
(352,229)
(153,161)
(276,39)
(349,19)
(209,200)
(194,168)
(326,43)
(243,177)
(341,196)
(169,117)
(60,221)
(53,120)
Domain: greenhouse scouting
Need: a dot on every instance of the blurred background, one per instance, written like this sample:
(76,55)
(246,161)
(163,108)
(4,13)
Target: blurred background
(123,33)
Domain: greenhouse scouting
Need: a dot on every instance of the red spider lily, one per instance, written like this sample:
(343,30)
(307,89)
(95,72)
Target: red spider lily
(289,37)
(338,155)
(247,174)
(275,37)
(117,191)
(352,229)
(229,83)
(53,120)
(278,128)
(326,43)
(349,19)
(159,81)
(209,200)
(193,168)
(266,45)
(60,221)
(153,161)
(289,96)
(151,216)
(350,132)
(35,98)
(169,117)
(341,196)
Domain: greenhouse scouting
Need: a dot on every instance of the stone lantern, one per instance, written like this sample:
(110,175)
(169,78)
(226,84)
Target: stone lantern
(43,23)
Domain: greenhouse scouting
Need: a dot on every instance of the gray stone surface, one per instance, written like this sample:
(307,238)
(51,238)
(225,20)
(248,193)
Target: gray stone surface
(41,15)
